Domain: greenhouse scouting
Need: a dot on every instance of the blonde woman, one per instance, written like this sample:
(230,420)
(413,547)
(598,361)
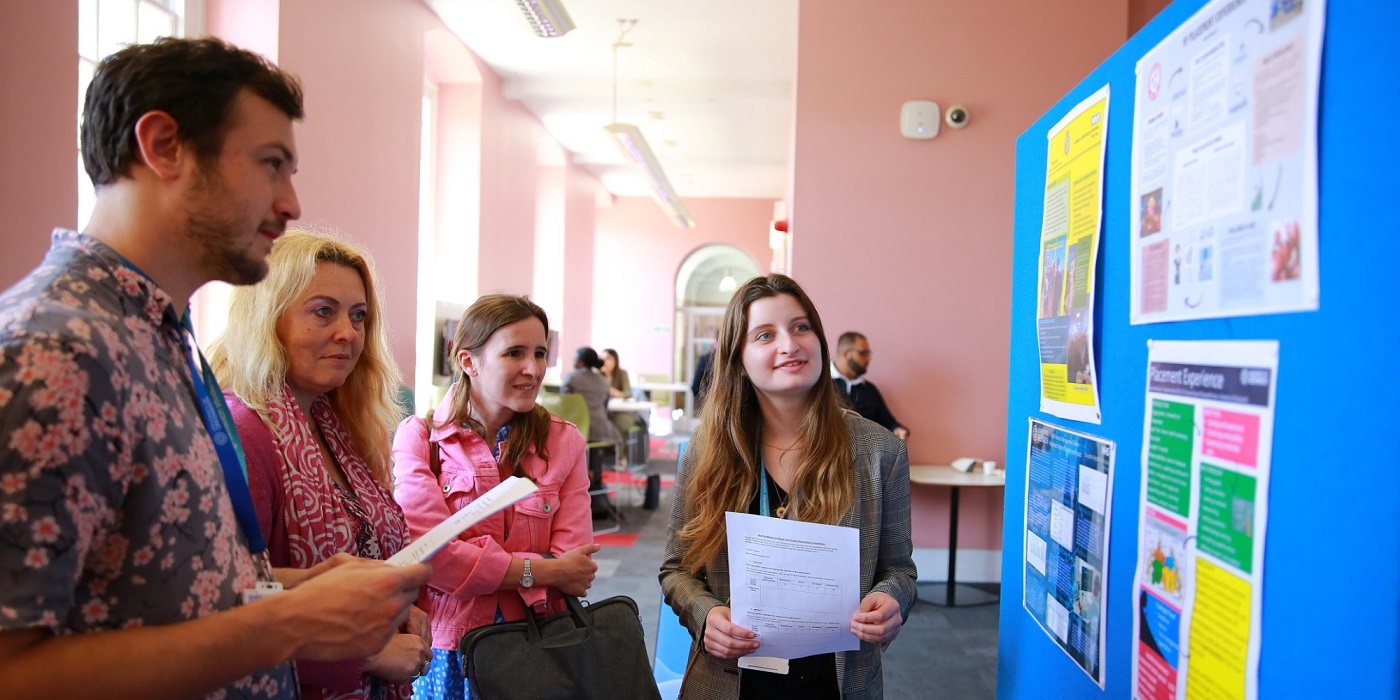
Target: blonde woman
(309,382)
(774,441)
(486,429)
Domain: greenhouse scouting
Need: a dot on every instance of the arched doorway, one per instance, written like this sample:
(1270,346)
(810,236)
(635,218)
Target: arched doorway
(704,283)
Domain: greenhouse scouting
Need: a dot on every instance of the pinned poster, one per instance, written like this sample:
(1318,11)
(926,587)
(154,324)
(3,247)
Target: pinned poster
(1069,484)
(1224,164)
(1207,433)
(1069,250)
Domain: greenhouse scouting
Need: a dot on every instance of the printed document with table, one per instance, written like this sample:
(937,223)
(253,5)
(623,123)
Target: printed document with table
(795,584)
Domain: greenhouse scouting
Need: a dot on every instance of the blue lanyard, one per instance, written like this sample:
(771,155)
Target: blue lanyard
(219,422)
(763,488)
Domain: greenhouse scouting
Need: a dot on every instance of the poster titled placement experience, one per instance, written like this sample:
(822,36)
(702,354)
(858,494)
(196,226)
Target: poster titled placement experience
(1069,478)
(1069,247)
(1224,169)
(1200,559)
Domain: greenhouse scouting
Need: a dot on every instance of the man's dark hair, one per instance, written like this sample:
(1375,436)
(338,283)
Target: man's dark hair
(848,340)
(195,81)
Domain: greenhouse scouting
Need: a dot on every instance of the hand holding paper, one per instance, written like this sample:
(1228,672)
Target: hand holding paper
(795,584)
(879,620)
(505,494)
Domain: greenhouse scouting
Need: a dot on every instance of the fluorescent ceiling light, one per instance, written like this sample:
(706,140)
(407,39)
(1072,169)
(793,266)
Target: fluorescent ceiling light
(634,148)
(547,17)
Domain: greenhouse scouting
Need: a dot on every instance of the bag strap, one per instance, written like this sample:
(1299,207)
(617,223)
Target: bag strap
(583,624)
(434,450)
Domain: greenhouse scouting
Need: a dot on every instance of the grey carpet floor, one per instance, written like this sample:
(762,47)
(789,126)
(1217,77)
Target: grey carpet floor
(940,652)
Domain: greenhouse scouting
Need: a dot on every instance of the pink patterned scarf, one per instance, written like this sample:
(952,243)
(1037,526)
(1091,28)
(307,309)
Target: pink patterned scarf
(318,512)
(317,524)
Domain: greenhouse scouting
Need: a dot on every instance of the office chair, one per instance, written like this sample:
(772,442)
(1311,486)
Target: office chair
(572,408)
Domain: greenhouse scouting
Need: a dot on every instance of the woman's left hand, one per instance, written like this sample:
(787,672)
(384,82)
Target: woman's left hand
(417,623)
(404,658)
(878,620)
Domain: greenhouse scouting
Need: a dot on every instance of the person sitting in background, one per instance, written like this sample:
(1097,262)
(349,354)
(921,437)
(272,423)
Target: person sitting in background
(486,429)
(858,393)
(307,376)
(619,385)
(775,433)
(585,380)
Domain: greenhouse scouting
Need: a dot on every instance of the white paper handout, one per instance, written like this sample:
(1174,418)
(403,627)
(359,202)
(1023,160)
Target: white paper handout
(796,584)
(506,493)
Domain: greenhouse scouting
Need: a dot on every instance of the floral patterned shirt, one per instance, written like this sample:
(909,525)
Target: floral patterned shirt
(113,510)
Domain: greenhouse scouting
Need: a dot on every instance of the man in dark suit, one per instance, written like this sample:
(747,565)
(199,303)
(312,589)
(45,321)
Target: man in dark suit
(848,371)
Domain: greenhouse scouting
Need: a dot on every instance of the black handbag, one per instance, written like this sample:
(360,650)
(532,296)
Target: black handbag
(595,651)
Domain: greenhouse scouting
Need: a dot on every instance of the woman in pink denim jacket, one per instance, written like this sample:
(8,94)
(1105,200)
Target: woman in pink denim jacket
(486,429)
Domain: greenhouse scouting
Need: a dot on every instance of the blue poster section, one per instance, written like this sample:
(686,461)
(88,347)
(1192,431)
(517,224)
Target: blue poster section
(1073,576)
(1331,618)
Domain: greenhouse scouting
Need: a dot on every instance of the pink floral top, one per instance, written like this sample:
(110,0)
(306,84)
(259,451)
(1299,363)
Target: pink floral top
(113,511)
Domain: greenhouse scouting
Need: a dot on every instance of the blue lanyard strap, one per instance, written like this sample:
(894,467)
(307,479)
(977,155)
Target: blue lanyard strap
(762,488)
(219,422)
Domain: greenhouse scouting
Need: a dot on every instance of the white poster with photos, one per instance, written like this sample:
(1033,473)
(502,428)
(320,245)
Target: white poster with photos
(1224,164)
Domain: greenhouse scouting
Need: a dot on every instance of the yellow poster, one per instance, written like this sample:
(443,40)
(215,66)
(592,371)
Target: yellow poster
(1069,250)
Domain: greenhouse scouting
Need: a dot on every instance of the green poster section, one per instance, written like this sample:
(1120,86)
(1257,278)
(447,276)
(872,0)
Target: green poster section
(1331,598)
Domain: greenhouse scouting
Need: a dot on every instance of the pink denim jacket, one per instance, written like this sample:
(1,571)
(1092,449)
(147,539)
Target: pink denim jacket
(462,594)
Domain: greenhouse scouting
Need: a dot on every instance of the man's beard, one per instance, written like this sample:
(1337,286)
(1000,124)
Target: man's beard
(856,368)
(214,232)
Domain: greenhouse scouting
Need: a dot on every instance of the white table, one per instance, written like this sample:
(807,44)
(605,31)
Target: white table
(673,387)
(631,406)
(943,475)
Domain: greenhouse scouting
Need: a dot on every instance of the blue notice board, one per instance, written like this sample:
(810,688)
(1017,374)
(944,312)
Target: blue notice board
(1331,605)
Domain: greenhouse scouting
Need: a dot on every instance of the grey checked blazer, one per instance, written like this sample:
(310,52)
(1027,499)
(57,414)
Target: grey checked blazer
(881,512)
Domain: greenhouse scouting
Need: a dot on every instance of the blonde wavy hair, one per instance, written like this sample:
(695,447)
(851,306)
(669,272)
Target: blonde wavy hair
(726,445)
(249,360)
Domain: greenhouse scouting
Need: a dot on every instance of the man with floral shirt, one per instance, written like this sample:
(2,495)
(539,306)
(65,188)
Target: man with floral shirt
(122,550)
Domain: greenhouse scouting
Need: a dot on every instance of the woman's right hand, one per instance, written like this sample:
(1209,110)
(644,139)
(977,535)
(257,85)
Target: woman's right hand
(400,659)
(724,639)
(572,573)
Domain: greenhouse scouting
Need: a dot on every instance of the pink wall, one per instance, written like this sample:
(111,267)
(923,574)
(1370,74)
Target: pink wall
(360,150)
(910,241)
(1140,12)
(581,193)
(252,24)
(38,78)
(637,255)
(509,179)
(363,77)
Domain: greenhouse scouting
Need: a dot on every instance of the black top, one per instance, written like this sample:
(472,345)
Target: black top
(865,399)
(808,678)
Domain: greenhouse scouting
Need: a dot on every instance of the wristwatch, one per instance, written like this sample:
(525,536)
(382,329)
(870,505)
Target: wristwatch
(527,579)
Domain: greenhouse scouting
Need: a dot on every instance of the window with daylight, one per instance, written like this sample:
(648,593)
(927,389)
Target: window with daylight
(105,27)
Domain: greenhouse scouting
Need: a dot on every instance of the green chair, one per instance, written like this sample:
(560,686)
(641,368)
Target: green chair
(572,408)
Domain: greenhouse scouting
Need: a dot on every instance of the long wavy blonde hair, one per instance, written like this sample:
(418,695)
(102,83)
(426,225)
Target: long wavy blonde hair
(726,445)
(249,359)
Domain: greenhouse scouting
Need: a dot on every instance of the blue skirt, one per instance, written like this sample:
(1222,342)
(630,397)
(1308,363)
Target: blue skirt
(444,679)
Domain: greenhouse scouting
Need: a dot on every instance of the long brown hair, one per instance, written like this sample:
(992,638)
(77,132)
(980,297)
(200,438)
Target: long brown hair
(726,445)
(479,322)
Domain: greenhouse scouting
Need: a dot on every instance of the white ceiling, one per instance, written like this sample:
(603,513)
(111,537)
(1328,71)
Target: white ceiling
(710,83)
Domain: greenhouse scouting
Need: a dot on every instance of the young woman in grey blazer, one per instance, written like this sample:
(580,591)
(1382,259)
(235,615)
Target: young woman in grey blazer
(773,423)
